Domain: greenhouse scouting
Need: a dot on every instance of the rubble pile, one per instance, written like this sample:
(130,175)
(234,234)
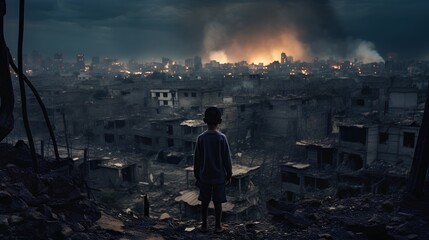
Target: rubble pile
(367,216)
(49,204)
(53,205)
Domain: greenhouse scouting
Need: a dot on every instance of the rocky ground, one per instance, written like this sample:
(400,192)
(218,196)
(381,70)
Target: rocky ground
(364,217)
(54,205)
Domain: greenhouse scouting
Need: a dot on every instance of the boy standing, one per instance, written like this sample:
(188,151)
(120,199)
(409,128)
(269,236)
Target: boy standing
(212,167)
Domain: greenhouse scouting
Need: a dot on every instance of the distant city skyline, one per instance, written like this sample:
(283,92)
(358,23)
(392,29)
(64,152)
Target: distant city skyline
(244,30)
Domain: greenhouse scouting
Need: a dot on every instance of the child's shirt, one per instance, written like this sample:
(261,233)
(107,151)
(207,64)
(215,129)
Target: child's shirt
(212,158)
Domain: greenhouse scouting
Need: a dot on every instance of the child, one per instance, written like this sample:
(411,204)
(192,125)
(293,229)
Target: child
(212,167)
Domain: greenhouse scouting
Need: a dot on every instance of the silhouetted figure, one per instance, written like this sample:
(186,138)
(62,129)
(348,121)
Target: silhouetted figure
(212,167)
(161,179)
(146,206)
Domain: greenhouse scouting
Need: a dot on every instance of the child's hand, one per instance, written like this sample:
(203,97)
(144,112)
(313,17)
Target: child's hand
(228,182)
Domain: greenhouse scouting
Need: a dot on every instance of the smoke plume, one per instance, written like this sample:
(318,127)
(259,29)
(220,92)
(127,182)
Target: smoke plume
(364,51)
(258,31)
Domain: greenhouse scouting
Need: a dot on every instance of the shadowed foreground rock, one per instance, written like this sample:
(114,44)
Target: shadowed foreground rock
(41,206)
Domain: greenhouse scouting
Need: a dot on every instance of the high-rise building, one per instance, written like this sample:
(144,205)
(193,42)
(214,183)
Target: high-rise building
(165,60)
(80,61)
(283,58)
(197,63)
(58,62)
(189,63)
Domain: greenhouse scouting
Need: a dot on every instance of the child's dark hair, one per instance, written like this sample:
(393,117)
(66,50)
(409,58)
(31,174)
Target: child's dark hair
(212,116)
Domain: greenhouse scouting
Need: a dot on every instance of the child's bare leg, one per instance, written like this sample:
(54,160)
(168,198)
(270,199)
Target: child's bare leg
(204,213)
(218,216)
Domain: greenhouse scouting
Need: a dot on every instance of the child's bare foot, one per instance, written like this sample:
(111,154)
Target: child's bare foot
(204,227)
(219,229)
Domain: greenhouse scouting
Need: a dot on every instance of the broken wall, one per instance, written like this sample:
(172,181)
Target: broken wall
(394,147)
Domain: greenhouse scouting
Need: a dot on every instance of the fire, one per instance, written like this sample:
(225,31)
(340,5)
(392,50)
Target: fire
(261,48)
(264,60)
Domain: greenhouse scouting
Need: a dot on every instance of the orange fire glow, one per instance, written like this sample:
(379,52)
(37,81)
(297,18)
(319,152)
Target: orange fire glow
(261,48)
(219,56)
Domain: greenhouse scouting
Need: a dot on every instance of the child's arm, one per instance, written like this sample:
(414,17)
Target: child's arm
(227,163)
(197,159)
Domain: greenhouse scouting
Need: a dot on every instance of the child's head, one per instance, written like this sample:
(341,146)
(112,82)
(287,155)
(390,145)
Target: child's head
(212,116)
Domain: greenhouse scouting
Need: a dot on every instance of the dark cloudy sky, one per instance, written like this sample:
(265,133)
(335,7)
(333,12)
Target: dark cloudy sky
(150,29)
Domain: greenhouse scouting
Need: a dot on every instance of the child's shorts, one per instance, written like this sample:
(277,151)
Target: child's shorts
(212,192)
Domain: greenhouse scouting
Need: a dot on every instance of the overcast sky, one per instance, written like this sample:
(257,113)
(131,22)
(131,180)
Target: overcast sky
(150,29)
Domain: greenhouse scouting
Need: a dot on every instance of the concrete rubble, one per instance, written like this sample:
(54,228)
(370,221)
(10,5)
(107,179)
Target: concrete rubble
(53,203)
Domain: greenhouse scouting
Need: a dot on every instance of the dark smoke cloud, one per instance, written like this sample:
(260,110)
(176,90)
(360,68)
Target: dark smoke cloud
(313,23)
(179,29)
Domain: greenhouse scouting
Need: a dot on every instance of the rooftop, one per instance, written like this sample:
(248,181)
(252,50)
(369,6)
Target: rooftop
(323,143)
(167,119)
(193,123)
(116,163)
(296,165)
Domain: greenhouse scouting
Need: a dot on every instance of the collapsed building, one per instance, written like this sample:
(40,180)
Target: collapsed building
(364,156)
(326,135)
(370,148)
(115,172)
(323,145)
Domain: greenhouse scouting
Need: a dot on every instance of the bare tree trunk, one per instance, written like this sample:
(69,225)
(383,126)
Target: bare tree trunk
(419,167)
(65,134)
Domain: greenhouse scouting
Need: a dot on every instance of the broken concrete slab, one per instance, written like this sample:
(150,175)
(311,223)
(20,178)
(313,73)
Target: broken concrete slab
(164,216)
(109,223)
